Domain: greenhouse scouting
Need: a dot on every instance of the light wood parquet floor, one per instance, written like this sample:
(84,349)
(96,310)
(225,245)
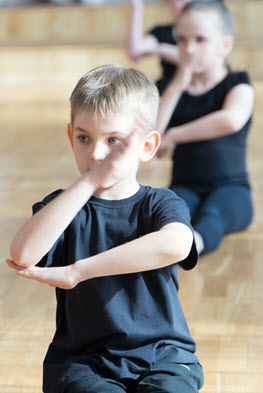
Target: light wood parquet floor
(222,298)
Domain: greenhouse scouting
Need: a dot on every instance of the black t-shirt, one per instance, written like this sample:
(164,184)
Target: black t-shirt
(165,34)
(118,325)
(212,162)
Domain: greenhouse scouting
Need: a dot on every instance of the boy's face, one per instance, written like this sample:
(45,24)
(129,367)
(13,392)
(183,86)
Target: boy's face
(200,38)
(94,137)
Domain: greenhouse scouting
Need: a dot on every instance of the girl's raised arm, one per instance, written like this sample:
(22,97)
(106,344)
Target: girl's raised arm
(142,45)
(138,43)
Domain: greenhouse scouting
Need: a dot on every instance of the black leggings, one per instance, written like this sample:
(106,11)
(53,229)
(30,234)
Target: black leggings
(162,377)
(217,212)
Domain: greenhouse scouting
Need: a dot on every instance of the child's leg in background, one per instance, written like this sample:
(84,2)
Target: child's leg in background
(225,210)
(190,196)
(193,200)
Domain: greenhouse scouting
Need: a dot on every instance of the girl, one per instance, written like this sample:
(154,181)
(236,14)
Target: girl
(160,41)
(207,111)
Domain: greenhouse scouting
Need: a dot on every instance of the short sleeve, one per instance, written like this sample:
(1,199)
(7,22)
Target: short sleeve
(236,78)
(242,77)
(170,208)
(54,256)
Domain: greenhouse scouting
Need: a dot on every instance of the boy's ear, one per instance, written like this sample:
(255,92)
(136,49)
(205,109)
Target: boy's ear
(151,144)
(228,45)
(70,134)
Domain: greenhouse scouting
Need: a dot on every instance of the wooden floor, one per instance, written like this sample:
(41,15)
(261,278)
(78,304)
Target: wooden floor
(222,298)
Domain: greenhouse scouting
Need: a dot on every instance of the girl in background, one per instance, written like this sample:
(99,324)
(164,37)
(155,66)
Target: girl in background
(206,111)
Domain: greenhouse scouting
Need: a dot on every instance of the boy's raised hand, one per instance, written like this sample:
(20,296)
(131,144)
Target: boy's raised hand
(64,277)
(122,161)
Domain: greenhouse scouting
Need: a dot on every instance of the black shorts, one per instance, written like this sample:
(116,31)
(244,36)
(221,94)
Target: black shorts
(163,377)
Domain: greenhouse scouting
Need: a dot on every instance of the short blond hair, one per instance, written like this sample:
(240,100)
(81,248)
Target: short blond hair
(111,89)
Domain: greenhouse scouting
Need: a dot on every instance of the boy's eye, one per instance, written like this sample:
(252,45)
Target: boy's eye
(83,138)
(113,141)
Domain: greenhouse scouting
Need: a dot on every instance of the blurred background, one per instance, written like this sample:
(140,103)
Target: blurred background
(20,3)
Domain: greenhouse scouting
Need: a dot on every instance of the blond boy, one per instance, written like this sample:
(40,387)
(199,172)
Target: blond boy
(112,249)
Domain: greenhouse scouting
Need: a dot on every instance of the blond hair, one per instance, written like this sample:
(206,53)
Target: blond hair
(111,89)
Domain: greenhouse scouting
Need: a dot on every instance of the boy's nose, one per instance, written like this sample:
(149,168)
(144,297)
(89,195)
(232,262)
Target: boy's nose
(99,152)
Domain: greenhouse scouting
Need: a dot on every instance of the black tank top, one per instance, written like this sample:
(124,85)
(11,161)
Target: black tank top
(213,162)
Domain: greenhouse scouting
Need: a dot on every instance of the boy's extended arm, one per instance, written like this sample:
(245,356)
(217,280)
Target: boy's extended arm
(170,244)
(236,111)
(142,45)
(40,232)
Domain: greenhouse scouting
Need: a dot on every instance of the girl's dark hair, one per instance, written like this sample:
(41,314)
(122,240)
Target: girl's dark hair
(217,6)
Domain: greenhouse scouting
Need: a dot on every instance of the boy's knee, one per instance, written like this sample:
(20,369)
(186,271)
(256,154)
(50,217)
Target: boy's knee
(171,377)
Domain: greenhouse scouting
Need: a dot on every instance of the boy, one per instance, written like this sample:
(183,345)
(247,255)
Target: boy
(115,245)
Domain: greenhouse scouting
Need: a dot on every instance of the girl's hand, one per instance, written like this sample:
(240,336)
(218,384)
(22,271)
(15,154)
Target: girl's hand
(184,74)
(64,277)
(184,77)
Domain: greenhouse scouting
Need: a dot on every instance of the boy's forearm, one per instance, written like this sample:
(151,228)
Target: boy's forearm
(155,250)
(40,232)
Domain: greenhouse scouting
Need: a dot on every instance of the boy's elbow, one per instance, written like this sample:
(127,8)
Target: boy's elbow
(21,257)
(178,253)
(178,247)
(19,260)
(183,251)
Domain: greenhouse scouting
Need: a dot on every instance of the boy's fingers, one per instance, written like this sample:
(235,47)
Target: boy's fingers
(10,263)
(33,272)
(138,132)
(13,266)
(140,125)
(21,271)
